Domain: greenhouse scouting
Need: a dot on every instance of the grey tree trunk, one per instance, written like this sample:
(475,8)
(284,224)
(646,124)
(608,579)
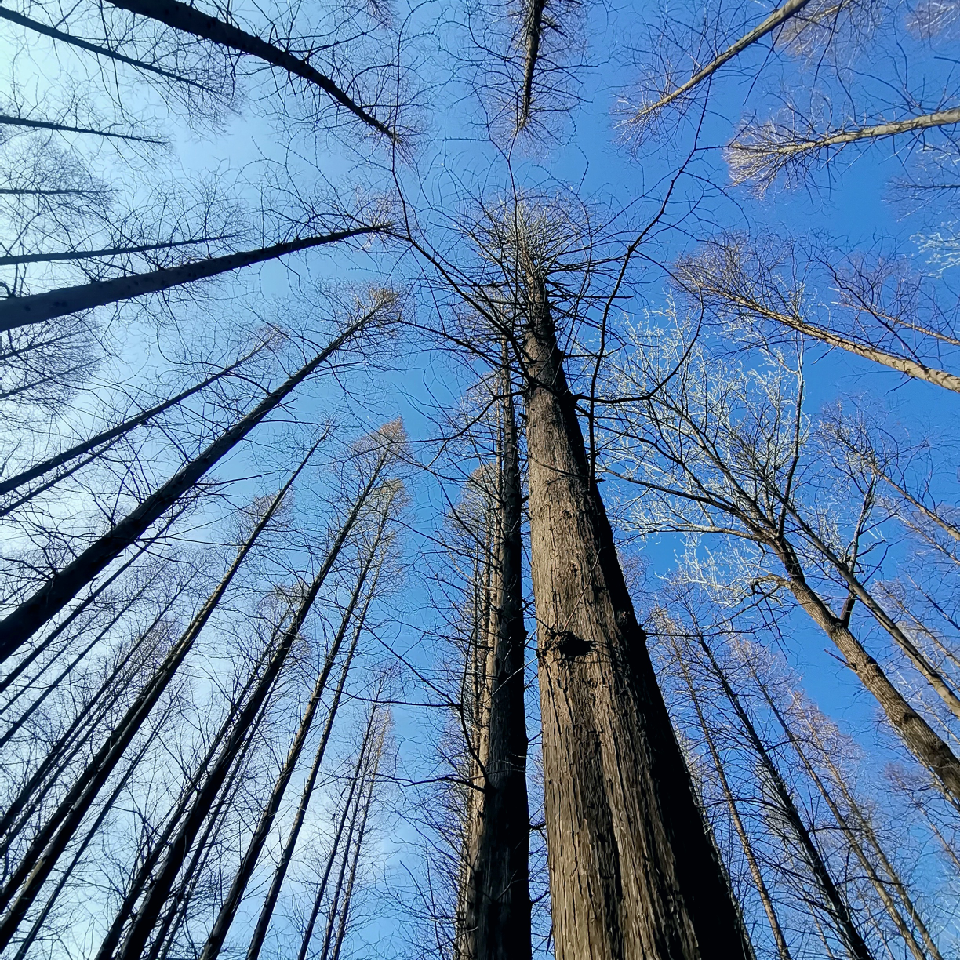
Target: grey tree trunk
(496,923)
(35,308)
(17,627)
(633,872)
(183,16)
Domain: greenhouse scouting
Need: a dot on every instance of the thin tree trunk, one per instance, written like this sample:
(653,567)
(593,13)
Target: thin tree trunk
(533,31)
(86,446)
(63,586)
(12,121)
(231,903)
(497,907)
(849,934)
(862,823)
(633,871)
(31,936)
(188,19)
(774,20)
(159,890)
(22,311)
(52,839)
(347,821)
(357,849)
(95,48)
(286,856)
(766,900)
(67,255)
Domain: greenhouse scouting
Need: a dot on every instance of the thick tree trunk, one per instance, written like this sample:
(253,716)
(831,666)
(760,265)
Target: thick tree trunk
(63,586)
(633,872)
(189,19)
(497,902)
(35,308)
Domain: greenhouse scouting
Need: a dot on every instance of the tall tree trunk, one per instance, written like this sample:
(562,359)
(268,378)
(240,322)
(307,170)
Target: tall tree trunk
(231,903)
(18,626)
(497,903)
(633,872)
(850,831)
(69,255)
(9,120)
(139,933)
(50,841)
(837,903)
(347,821)
(286,856)
(95,48)
(915,732)
(105,436)
(189,19)
(35,308)
(783,951)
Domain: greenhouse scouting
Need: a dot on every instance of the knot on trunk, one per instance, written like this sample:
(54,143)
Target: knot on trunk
(567,644)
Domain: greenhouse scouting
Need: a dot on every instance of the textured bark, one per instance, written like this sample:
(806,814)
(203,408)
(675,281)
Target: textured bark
(35,308)
(915,732)
(189,19)
(51,840)
(63,586)
(633,872)
(839,908)
(497,901)
(533,30)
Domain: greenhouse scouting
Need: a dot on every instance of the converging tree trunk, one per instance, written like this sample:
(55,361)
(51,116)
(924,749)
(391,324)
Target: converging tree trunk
(497,897)
(633,872)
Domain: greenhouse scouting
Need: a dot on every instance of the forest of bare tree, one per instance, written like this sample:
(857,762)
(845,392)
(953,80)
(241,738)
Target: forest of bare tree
(479,481)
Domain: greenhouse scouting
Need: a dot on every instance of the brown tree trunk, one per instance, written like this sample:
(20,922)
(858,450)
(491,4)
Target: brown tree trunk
(231,903)
(765,899)
(915,732)
(837,903)
(496,923)
(633,872)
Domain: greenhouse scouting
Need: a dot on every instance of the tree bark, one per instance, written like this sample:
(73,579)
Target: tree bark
(633,872)
(497,902)
(35,308)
